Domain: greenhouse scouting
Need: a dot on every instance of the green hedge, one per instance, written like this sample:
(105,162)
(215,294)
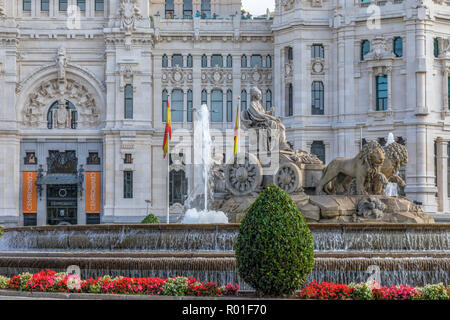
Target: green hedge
(274,248)
(150,219)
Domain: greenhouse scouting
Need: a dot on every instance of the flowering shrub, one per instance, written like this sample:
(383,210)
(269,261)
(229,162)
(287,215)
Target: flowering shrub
(326,291)
(361,291)
(209,289)
(175,286)
(435,292)
(4,282)
(230,290)
(401,292)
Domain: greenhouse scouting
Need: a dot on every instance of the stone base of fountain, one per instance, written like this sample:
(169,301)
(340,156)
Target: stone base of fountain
(336,208)
(410,254)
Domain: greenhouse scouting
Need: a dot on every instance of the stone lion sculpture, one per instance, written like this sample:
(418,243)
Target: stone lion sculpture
(396,156)
(364,168)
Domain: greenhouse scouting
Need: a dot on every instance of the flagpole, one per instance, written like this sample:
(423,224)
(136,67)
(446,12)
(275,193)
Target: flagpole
(168,167)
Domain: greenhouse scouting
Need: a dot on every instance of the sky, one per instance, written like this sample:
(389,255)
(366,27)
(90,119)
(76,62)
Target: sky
(257,7)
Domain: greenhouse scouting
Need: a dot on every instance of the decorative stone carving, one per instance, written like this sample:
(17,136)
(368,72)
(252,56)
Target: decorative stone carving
(177,76)
(39,101)
(317,66)
(445,53)
(370,208)
(217,76)
(61,62)
(62,117)
(379,50)
(288,4)
(129,13)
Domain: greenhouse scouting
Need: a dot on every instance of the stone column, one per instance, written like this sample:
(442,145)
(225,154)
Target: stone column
(442,179)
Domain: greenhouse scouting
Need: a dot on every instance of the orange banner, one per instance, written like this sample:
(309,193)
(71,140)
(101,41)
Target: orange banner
(93,190)
(29,192)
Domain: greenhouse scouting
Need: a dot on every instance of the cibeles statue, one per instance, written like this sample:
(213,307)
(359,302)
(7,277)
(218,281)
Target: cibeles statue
(255,117)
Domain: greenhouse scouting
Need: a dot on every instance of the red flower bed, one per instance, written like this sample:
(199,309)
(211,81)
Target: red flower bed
(50,281)
(326,291)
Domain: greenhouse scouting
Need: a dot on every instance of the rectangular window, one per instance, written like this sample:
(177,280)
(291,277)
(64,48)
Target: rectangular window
(177,105)
(382,93)
(26,5)
(128,101)
(436,47)
(81,5)
(128,158)
(99,5)
(62,5)
(290,101)
(229,106)
(216,60)
(256,61)
(128,184)
(45,6)
(190,102)
(290,54)
(317,51)
(187,9)
(216,106)
(177,60)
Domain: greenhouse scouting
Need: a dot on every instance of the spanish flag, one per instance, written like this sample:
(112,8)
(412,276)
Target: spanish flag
(168,130)
(237,129)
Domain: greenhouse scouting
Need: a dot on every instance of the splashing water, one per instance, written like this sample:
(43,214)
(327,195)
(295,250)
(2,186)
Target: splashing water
(391,189)
(203,142)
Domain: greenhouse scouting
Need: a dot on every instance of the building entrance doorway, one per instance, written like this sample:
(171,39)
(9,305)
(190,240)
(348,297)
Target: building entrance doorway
(62,204)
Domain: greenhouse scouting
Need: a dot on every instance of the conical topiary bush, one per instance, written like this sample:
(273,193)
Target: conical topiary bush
(274,248)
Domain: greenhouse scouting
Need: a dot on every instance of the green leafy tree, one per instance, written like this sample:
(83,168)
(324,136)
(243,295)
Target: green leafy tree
(274,248)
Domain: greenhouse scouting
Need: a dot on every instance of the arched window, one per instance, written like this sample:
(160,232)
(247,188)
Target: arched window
(177,105)
(206,8)
(268,61)
(244,99)
(128,101)
(189,61)
(317,51)
(290,100)
(189,105)
(317,97)
(244,61)
(70,112)
(187,9)
(164,105)
(229,106)
(178,187)
(381,92)
(169,9)
(365,48)
(204,97)
(216,60)
(177,60)
(268,100)
(99,5)
(256,61)
(216,106)
(204,61)
(229,61)
(398,47)
(165,61)
(290,53)
(318,148)
(436,47)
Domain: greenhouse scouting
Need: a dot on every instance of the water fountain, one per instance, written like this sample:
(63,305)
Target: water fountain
(202,141)
(391,189)
(413,253)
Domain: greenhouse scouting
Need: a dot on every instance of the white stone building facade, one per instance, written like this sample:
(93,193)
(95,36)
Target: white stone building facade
(83,94)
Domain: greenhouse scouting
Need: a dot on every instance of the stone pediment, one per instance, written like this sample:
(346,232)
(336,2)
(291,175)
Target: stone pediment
(379,50)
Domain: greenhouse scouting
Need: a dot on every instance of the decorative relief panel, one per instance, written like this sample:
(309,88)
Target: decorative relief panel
(217,76)
(177,76)
(317,66)
(257,76)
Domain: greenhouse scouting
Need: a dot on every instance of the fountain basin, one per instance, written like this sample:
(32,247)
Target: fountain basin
(410,254)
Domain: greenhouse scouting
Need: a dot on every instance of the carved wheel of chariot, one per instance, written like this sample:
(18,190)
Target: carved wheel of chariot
(288,177)
(244,178)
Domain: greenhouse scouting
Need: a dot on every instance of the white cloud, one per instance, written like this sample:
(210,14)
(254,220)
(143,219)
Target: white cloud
(258,7)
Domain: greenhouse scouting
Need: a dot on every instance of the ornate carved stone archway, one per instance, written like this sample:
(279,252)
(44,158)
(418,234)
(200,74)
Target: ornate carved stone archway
(39,101)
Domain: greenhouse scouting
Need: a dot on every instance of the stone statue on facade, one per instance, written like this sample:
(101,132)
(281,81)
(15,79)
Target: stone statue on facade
(61,61)
(129,12)
(62,116)
(256,117)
